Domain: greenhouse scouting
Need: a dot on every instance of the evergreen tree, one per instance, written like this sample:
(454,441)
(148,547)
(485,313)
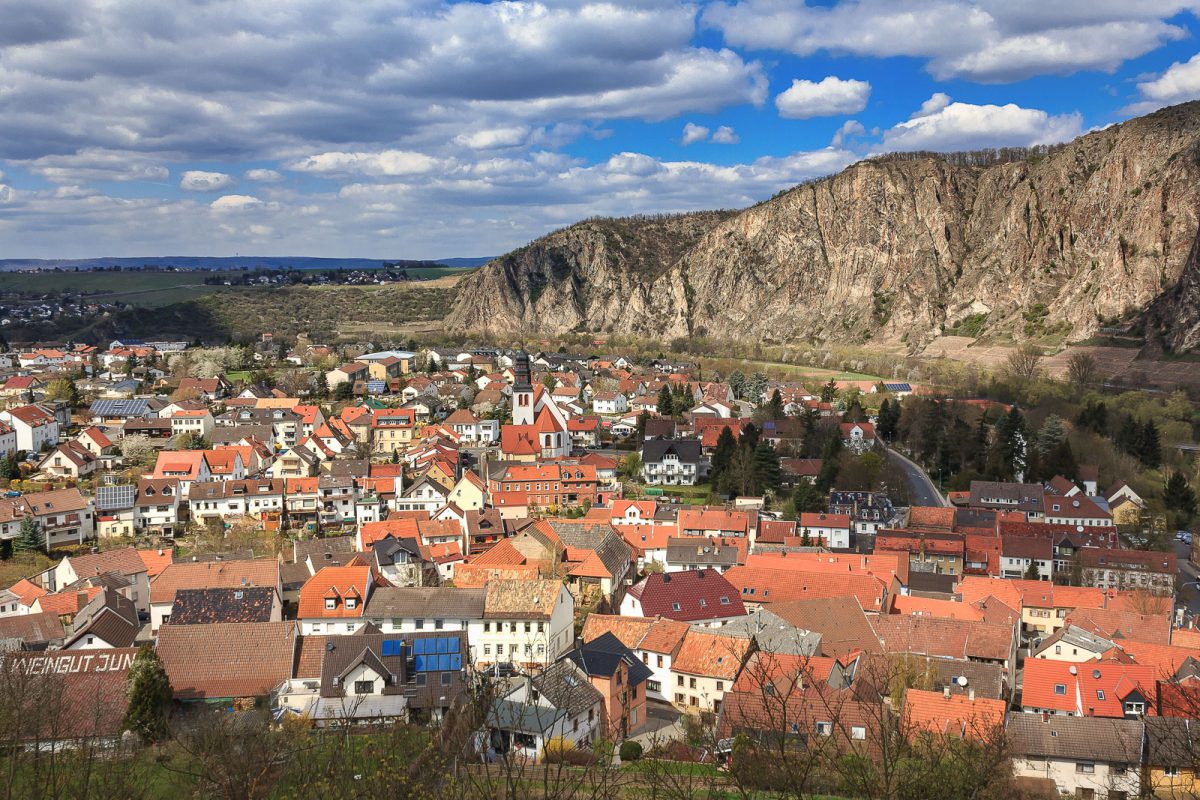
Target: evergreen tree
(1031,572)
(1060,461)
(756,387)
(749,438)
(737,383)
(666,406)
(1051,434)
(1094,417)
(1178,496)
(830,458)
(775,406)
(640,428)
(10,469)
(829,391)
(1127,435)
(1010,443)
(149,691)
(29,538)
(807,499)
(809,421)
(722,454)
(767,473)
(1149,447)
(889,419)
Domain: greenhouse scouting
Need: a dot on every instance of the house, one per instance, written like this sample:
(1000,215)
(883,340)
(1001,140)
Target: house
(525,622)
(966,640)
(610,403)
(208,575)
(831,529)
(702,597)
(705,668)
(156,505)
(418,609)
(858,436)
(470,429)
(373,677)
(1170,768)
(63,516)
(334,600)
(1076,510)
(716,522)
(1112,690)
(1083,756)
(197,659)
(1023,556)
(228,604)
(654,640)
(1073,645)
(69,460)
(621,679)
(123,561)
(35,427)
(107,621)
(959,716)
(347,373)
(559,703)
(1112,568)
(671,462)
(80,699)
(684,554)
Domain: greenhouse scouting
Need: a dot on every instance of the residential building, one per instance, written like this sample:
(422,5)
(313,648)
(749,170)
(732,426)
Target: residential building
(671,462)
(1085,757)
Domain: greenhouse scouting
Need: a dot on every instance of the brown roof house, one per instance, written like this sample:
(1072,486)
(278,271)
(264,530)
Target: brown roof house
(227,661)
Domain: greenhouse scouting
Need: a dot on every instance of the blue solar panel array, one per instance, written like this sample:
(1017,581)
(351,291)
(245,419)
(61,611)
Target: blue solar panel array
(432,654)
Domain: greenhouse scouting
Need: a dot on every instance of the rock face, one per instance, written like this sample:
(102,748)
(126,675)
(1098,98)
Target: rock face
(889,250)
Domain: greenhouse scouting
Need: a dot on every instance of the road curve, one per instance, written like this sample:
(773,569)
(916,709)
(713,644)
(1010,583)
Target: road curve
(921,488)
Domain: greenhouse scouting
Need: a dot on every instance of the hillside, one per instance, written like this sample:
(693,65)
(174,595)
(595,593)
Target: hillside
(1049,248)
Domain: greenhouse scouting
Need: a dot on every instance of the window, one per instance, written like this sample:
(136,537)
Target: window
(541,627)
(679,698)
(660,661)
(364,687)
(1085,767)
(691,683)
(1171,771)
(487,649)
(1058,649)
(1060,688)
(351,602)
(858,732)
(824,728)
(487,627)
(446,678)
(720,686)
(422,677)
(1135,708)
(330,604)
(591,714)
(528,627)
(316,628)
(419,624)
(675,607)
(438,624)
(1099,694)
(679,680)
(349,627)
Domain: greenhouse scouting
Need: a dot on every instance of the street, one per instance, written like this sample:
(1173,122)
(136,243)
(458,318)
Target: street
(921,490)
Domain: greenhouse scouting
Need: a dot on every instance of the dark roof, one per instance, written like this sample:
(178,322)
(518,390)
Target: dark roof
(690,550)
(33,631)
(566,688)
(114,498)
(1172,741)
(120,408)
(690,595)
(1116,741)
(203,606)
(110,616)
(930,582)
(603,655)
(611,549)
(688,450)
(439,602)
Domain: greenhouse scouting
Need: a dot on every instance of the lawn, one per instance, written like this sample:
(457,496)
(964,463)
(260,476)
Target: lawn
(22,565)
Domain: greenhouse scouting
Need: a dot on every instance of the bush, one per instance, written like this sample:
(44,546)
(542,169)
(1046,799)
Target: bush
(563,751)
(630,751)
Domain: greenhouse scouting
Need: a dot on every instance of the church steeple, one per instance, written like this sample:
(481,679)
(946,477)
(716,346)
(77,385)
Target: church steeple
(522,396)
(522,371)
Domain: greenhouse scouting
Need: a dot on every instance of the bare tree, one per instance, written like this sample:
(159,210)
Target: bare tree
(1025,362)
(1082,369)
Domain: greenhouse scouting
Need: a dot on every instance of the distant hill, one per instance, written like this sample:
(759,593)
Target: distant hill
(232,262)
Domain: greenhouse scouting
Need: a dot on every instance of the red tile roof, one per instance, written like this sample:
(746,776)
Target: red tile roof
(957,715)
(1090,689)
(338,584)
(687,596)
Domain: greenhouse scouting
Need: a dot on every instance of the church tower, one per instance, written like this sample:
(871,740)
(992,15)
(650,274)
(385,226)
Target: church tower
(522,396)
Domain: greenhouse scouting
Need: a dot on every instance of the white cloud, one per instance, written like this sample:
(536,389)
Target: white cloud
(7,194)
(492,138)
(725,135)
(981,40)
(235,202)
(93,164)
(936,102)
(963,126)
(1178,84)
(195,180)
(850,129)
(383,163)
(830,97)
(693,133)
(263,176)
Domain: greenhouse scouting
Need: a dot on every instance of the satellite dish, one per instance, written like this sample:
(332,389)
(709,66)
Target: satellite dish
(961,680)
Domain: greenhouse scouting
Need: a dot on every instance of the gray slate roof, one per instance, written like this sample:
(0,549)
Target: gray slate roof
(1115,741)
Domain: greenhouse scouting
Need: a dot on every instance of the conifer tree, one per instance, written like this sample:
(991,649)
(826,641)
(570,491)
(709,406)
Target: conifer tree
(149,692)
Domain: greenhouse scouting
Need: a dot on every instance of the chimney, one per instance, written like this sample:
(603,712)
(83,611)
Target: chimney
(946,692)
(971,694)
(81,599)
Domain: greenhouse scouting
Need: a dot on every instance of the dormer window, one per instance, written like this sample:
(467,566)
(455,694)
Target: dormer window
(330,603)
(351,602)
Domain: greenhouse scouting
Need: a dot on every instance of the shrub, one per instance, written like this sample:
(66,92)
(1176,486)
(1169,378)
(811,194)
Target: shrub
(630,751)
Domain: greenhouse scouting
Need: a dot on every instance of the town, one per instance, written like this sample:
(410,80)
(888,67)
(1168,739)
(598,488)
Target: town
(582,559)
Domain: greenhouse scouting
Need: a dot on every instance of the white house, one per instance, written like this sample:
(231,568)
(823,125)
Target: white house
(35,427)
(610,403)
(526,622)
(834,529)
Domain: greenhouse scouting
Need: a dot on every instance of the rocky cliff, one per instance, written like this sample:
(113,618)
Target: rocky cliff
(899,250)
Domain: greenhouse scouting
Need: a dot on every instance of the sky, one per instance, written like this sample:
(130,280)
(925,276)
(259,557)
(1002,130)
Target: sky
(424,129)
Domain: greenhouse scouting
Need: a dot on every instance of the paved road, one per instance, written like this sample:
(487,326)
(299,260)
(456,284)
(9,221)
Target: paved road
(921,489)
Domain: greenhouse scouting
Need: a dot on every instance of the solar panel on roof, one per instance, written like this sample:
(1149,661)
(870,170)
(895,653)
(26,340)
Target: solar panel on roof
(376,387)
(109,498)
(119,408)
